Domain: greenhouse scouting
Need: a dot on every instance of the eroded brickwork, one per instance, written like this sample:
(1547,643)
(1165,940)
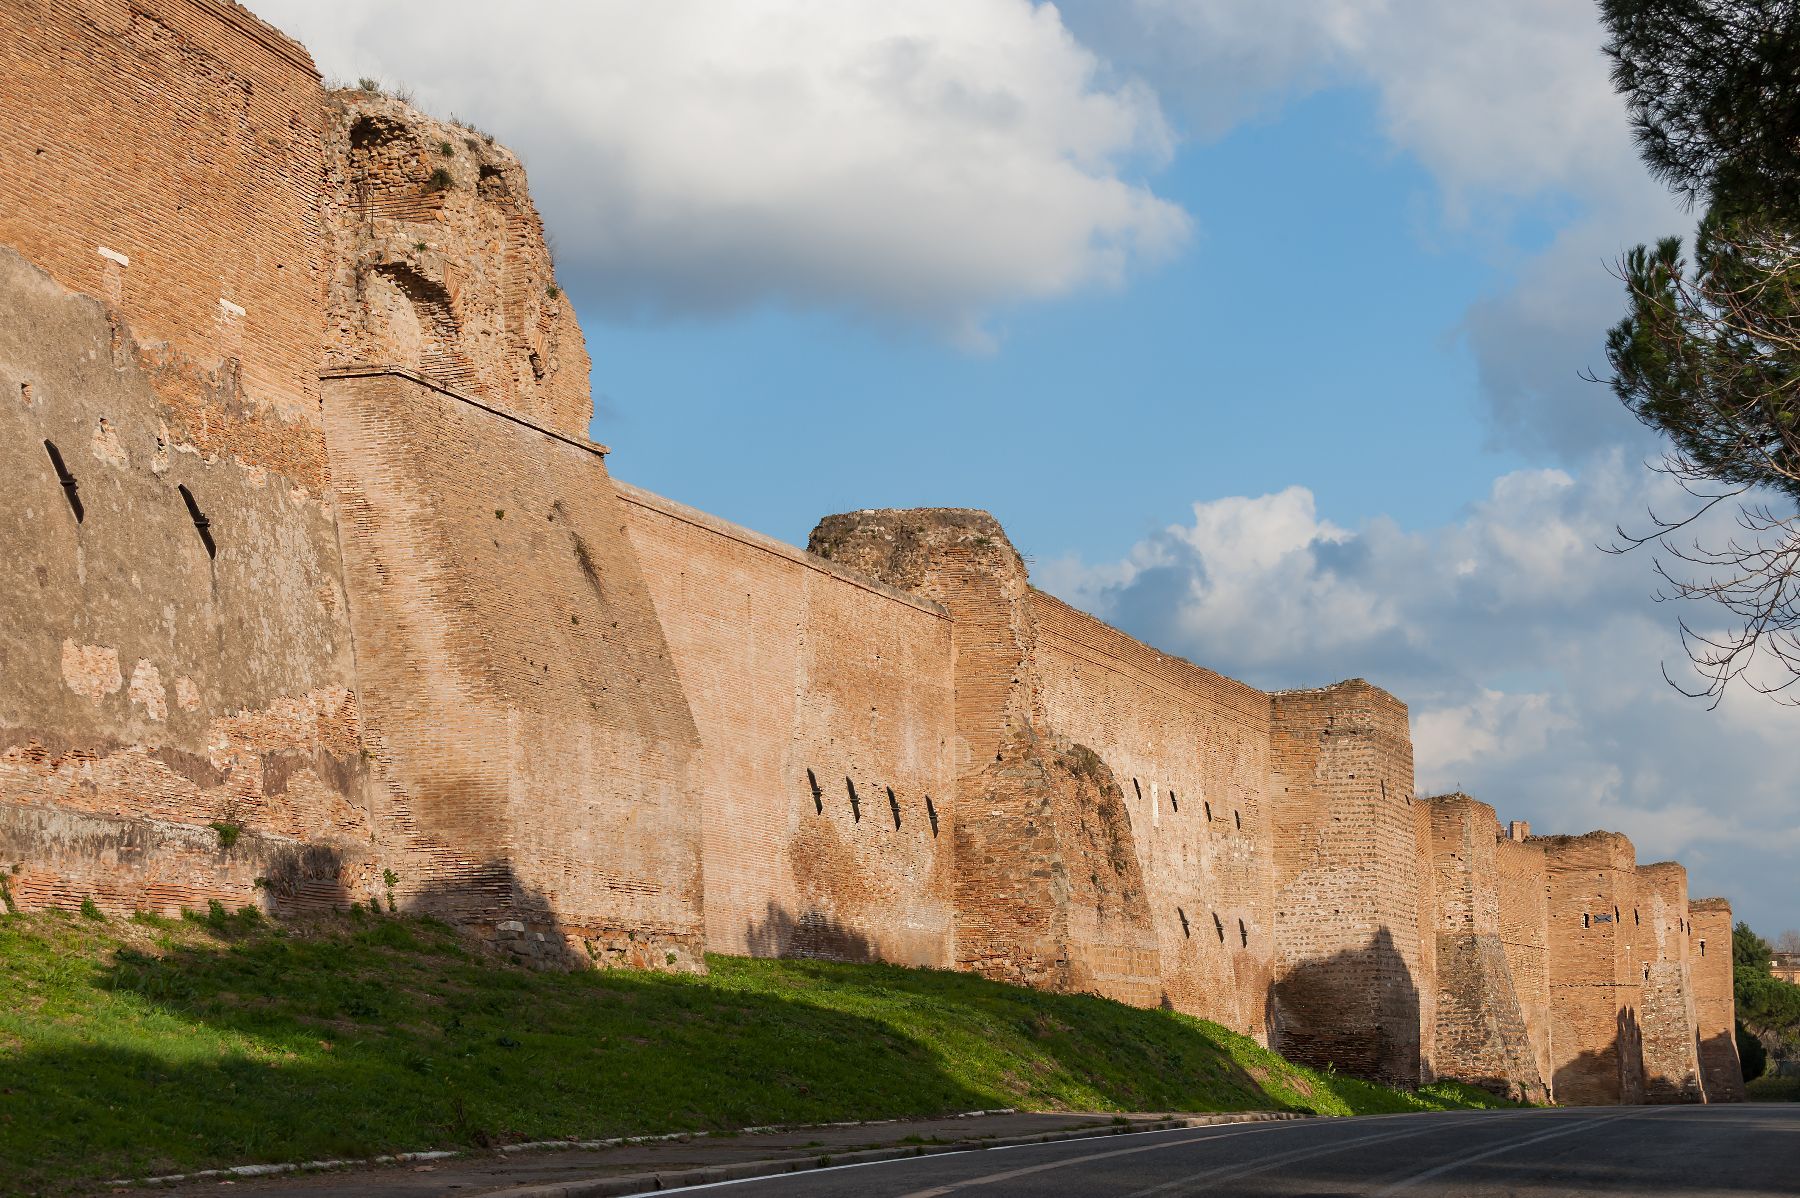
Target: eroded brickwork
(1189,749)
(532,747)
(1349,975)
(824,702)
(164,159)
(438,264)
(1715,1007)
(1669,1016)
(1596,969)
(1479,1026)
(1525,935)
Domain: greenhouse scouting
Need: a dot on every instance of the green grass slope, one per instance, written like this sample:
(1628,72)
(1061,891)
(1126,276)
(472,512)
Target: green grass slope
(159,1046)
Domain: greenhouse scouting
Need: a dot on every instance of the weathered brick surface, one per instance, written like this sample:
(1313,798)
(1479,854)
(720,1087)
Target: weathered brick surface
(1715,1007)
(438,264)
(150,688)
(1596,969)
(1190,751)
(1670,1019)
(1525,935)
(532,747)
(824,702)
(1479,1031)
(182,138)
(1349,972)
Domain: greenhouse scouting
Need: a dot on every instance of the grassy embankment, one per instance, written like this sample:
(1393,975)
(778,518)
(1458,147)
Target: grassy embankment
(155,1046)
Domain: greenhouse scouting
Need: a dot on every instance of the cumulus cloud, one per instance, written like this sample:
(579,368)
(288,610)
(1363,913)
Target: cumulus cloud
(1508,106)
(926,161)
(1531,661)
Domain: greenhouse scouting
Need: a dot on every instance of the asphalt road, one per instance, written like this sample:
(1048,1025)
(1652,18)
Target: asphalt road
(1717,1150)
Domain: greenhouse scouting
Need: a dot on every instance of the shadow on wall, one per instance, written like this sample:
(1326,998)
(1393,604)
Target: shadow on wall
(810,934)
(1608,1075)
(1325,1010)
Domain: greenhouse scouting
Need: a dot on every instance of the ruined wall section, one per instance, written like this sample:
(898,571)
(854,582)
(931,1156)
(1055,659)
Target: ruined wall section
(1189,749)
(1349,970)
(193,215)
(824,703)
(1671,1024)
(439,264)
(532,747)
(1049,887)
(1596,974)
(1715,1002)
(1479,1034)
(1525,936)
(159,346)
(176,713)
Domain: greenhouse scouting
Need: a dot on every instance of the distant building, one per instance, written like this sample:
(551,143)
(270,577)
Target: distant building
(1786,966)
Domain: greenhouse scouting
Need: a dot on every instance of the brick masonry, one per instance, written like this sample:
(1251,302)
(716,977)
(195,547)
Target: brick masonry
(319,594)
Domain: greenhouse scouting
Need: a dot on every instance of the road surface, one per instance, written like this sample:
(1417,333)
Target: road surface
(1738,1151)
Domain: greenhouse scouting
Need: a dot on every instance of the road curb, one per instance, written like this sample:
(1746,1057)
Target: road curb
(627,1184)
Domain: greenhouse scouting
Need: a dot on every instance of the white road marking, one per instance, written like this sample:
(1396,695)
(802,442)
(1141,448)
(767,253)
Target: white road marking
(1406,1183)
(1251,1169)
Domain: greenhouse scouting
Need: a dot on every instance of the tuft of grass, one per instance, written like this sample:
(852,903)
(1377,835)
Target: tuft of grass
(228,832)
(553,291)
(441,180)
(90,911)
(446,149)
(151,1046)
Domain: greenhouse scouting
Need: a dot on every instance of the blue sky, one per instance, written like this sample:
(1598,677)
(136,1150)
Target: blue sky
(1295,341)
(1260,328)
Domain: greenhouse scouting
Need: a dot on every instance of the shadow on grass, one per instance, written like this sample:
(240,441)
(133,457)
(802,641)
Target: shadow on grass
(164,1046)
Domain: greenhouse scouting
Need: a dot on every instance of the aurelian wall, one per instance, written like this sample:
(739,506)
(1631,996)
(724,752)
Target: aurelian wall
(163,157)
(1349,974)
(1525,936)
(177,716)
(316,590)
(532,746)
(1715,1005)
(1050,884)
(438,263)
(177,707)
(1479,1033)
(1190,751)
(824,703)
(1596,978)
(1670,1019)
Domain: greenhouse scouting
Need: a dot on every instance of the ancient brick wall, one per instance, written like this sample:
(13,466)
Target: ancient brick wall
(824,702)
(1049,886)
(438,264)
(1189,749)
(1348,966)
(1596,969)
(163,156)
(1479,1027)
(1525,935)
(1670,1021)
(160,677)
(532,747)
(162,160)
(1715,1004)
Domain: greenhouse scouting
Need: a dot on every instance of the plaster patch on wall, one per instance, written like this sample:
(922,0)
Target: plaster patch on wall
(147,689)
(107,447)
(91,670)
(187,695)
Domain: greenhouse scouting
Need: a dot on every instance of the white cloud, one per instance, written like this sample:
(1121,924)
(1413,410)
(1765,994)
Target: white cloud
(1531,661)
(1508,106)
(925,161)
